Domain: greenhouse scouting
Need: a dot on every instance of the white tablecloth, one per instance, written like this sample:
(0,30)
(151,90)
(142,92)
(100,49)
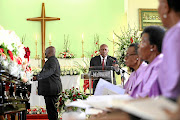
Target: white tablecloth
(67,82)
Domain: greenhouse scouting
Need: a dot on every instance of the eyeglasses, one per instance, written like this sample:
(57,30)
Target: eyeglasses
(127,55)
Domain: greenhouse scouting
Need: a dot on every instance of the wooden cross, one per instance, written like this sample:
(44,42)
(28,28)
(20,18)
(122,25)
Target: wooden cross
(43,19)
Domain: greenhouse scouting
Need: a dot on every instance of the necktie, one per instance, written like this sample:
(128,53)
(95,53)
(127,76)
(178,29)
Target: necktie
(103,64)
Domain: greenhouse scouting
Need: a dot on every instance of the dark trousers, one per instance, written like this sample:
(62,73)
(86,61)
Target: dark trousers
(51,107)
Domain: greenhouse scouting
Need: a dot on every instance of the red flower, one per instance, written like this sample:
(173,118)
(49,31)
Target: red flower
(74,99)
(29,110)
(27,54)
(60,99)
(43,110)
(64,55)
(96,43)
(74,95)
(86,85)
(79,94)
(28,69)
(76,88)
(95,52)
(131,40)
(10,54)
(19,60)
(34,110)
(73,87)
(1,50)
(91,55)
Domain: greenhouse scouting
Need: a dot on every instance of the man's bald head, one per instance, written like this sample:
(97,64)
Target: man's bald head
(104,50)
(50,51)
(103,45)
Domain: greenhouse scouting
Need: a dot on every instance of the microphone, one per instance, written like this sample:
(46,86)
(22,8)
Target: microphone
(112,60)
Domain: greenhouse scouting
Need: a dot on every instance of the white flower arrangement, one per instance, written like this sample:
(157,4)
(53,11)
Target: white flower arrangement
(12,55)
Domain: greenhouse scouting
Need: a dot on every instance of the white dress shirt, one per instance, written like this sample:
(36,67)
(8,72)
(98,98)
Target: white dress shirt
(105,60)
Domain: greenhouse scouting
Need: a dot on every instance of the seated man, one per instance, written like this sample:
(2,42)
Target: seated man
(104,60)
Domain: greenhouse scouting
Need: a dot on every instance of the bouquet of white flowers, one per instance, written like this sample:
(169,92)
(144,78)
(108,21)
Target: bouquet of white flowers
(14,57)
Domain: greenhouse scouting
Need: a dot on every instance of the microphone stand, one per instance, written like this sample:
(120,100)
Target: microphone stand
(122,75)
(123,71)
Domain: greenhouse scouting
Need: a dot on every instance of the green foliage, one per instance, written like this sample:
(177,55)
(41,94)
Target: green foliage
(83,67)
(5,50)
(15,51)
(66,43)
(96,47)
(23,39)
(36,70)
(125,38)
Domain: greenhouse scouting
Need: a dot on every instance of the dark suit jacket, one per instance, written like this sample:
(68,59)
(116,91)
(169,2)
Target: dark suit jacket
(96,61)
(49,82)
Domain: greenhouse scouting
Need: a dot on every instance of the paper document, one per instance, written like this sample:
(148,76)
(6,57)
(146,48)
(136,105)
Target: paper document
(80,104)
(147,108)
(98,103)
(106,88)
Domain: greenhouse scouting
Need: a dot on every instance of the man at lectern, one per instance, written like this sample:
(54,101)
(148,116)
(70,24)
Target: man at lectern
(105,60)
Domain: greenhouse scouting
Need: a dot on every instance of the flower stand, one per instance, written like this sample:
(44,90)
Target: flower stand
(37,113)
(37,116)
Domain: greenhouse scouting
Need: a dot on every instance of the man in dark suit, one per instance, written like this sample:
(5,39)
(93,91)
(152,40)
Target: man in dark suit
(49,83)
(105,60)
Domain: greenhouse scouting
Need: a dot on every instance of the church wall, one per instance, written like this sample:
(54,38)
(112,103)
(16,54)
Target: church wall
(134,5)
(89,17)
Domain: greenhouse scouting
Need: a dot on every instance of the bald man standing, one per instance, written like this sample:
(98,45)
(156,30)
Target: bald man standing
(49,83)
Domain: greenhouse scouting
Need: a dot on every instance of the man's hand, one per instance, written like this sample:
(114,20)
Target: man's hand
(116,67)
(34,78)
